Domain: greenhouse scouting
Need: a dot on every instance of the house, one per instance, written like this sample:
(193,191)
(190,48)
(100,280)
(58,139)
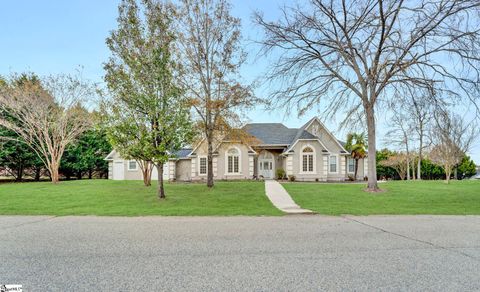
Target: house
(310,153)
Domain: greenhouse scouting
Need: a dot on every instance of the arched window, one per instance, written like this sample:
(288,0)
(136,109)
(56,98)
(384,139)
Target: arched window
(308,159)
(233,160)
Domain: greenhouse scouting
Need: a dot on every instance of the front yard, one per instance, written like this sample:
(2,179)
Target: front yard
(401,197)
(131,198)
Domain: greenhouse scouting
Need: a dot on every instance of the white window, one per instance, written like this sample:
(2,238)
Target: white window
(202,165)
(308,159)
(233,160)
(333,164)
(351,164)
(132,165)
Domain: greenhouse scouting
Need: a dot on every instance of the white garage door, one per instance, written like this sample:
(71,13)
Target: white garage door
(118,170)
(165,172)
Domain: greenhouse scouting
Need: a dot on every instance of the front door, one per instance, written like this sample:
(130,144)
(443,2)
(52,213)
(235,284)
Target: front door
(265,168)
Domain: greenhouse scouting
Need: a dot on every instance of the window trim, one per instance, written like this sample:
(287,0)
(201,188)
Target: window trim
(348,166)
(132,169)
(239,155)
(336,163)
(314,160)
(206,165)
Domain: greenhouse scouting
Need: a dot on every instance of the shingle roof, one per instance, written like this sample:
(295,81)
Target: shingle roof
(183,153)
(276,133)
(271,133)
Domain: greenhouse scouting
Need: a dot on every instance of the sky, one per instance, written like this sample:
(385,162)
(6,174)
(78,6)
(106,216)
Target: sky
(58,36)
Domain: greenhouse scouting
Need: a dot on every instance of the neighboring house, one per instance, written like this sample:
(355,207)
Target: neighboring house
(309,153)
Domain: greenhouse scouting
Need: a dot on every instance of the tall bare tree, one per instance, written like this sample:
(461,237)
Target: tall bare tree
(400,135)
(417,105)
(210,43)
(452,137)
(49,115)
(355,54)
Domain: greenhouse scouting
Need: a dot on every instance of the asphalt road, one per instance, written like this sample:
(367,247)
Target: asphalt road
(301,253)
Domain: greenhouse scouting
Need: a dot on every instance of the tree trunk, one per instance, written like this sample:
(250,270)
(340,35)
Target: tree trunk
(19,173)
(372,185)
(37,173)
(408,166)
(448,172)
(161,190)
(79,175)
(419,163)
(146,173)
(413,169)
(210,161)
(54,175)
(90,172)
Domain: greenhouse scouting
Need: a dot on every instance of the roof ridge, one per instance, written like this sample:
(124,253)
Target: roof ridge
(264,124)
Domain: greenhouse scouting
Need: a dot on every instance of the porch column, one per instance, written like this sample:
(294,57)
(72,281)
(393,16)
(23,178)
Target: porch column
(171,170)
(289,165)
(214,165)
(342,165)
(251,165)
(194,167)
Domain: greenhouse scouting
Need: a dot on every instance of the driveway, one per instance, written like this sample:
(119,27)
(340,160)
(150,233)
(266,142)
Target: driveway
(241,253)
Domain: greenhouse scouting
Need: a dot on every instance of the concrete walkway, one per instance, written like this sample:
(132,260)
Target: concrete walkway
(281,199)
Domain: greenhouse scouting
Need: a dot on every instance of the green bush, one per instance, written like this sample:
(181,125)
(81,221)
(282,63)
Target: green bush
(291,178)
(280,172)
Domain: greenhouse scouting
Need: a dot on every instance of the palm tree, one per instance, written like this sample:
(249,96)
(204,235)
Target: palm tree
(357,145)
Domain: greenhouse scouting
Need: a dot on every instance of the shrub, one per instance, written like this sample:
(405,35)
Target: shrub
(351,178)
(280,172)
(291,178)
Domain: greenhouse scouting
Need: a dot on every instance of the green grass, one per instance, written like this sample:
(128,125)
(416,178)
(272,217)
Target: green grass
(400,197)
(131,198)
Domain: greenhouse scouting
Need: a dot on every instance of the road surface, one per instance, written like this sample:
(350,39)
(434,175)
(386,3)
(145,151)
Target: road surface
(301,253)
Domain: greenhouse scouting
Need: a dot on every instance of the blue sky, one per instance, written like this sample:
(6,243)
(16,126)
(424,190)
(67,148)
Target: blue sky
(54,36)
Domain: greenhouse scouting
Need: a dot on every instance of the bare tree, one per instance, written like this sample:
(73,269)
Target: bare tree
(49,113)
(451,138)
(420,105)
(400,135)
(399,162)
(411,110)
(212,55)
(354,54)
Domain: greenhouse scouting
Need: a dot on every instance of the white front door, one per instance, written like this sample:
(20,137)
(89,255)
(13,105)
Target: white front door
(265,168)
(118,170)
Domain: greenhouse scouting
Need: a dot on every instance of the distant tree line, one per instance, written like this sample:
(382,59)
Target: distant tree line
(393,165)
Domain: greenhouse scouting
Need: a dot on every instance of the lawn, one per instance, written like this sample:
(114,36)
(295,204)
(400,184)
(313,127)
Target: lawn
(400,197)
(131,198)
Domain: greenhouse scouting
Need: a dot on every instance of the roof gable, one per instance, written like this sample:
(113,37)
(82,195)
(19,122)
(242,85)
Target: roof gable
(321,128)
